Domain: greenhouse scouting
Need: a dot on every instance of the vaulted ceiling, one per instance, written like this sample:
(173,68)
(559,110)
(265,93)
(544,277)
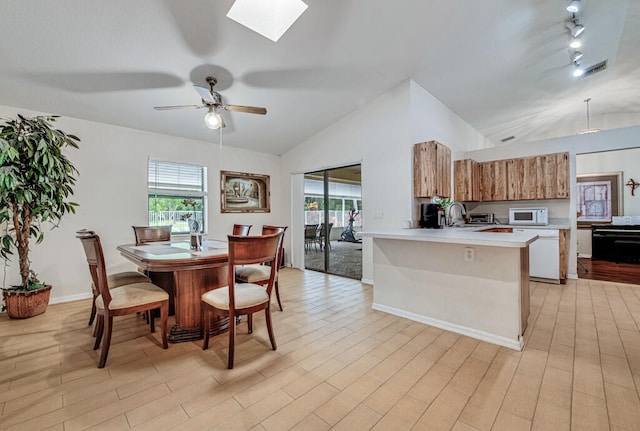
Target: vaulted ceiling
(501,65)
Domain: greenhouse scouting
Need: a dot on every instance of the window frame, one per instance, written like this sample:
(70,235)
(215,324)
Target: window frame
(187,180)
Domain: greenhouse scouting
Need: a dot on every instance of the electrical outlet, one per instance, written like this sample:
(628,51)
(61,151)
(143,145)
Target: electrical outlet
(469,254)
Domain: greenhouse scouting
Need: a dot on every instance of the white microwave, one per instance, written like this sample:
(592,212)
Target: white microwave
(529,216)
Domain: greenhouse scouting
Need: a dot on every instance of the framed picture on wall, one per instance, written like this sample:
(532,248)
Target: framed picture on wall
(244,193)
(599,198)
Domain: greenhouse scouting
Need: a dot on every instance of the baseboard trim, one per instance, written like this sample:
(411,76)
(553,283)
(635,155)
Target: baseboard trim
(70,298)
(458,329)
(366,281)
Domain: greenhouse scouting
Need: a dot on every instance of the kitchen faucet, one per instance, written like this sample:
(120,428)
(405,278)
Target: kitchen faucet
(463,212)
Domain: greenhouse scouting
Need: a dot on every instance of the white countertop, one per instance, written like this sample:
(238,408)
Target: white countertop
(549,226)
(460,235)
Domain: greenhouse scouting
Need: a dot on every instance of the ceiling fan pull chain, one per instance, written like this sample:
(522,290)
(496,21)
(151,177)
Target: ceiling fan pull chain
(220,156)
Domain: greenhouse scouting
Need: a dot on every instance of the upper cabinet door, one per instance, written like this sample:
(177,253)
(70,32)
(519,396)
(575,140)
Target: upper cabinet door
(494,180)
(562,175)
(467,180)
(553,176)
(515,174)
(431,170)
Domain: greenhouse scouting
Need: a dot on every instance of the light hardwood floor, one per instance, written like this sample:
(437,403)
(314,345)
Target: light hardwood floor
(339,365)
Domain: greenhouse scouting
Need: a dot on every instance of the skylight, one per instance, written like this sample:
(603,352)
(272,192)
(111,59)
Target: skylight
(270,18)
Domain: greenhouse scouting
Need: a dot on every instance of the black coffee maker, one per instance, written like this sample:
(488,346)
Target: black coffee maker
(432,216)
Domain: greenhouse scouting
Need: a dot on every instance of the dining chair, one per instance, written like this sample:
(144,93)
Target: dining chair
(145,234)
(241,229)
(310,236)
(127,299)
(243,298)
(321,235)
(114,280)
(259,274)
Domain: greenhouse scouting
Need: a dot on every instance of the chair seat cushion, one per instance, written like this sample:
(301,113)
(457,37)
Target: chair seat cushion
(118,279)
(253,273)
(246,295)
(132,295)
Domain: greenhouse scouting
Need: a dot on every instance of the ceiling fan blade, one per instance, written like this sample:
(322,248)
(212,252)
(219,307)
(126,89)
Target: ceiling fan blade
(205,94)
(248,109)
(166,108)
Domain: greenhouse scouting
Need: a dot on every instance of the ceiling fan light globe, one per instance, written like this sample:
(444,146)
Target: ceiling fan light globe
(212,120)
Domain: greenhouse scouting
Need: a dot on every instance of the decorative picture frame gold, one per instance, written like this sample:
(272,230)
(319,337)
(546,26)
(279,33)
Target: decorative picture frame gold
(244,192)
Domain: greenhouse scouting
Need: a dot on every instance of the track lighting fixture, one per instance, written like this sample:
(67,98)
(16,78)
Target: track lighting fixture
(577,55)
(575,28)
(575,6)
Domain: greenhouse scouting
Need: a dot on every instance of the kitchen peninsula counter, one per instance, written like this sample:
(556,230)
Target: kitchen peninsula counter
(462,235)
(459,279)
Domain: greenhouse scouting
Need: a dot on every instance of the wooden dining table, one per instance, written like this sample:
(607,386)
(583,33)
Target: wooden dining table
(185,274)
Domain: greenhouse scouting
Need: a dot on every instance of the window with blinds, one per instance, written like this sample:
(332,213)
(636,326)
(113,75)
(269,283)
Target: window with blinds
(177,192)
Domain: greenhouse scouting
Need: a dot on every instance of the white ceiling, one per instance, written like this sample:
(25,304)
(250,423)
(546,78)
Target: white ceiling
(501,65)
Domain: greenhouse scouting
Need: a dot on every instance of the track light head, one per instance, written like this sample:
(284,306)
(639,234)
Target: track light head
(577,55)
(575,28)
(575,6)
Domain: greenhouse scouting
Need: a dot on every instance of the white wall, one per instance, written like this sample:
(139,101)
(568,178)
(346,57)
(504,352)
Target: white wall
(112,193)
(577,144)
(432,120)
(381,135)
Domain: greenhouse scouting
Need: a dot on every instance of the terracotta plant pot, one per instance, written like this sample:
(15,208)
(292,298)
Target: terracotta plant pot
(22,305)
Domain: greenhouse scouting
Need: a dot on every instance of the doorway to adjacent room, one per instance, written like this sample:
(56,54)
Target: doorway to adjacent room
(332,219)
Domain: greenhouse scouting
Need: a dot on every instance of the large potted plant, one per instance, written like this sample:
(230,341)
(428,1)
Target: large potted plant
(36,178)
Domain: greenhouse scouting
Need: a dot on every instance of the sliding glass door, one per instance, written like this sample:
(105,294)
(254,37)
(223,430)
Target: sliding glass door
(332,204)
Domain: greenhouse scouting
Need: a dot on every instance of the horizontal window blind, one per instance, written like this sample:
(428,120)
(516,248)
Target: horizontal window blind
(167,178)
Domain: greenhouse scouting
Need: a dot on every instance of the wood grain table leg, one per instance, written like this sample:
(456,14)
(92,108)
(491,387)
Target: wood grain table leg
(186,287)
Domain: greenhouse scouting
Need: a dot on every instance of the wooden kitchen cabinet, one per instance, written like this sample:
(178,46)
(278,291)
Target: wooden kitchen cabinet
(466,180)
(524,178)
(562,176)
(528,187)
(494,180)
(515,174)
(553,175)
(431,170)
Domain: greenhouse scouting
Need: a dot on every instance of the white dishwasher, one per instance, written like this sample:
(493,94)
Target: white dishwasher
(544,254)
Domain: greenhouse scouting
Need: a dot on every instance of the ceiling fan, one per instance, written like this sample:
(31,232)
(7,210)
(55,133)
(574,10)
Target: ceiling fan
(212,100)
